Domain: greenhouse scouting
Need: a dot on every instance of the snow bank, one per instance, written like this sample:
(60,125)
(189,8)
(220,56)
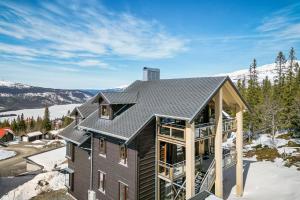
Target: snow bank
(4,154)
(50,158)
(268,180)
(286,150)
(212,197)
(40,183)
(267,140)
(56,111)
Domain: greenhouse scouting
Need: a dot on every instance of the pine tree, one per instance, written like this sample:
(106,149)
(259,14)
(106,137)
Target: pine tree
(46,125)
(280,68)
(32,124)
(22,124)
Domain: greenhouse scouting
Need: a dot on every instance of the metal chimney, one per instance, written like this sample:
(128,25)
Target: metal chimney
(150,74)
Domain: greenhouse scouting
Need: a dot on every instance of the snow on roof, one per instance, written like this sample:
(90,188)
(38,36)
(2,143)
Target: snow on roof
(3,131)
(55,132)
(32,134)
(212,197)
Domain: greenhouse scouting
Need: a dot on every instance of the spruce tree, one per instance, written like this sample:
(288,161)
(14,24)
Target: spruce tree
(280,69)
(46,125)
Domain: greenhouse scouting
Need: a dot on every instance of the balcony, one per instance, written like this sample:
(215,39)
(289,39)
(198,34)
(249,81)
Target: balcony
(172,131)
(229,125)
(206,130)
(177,170)
(172,171)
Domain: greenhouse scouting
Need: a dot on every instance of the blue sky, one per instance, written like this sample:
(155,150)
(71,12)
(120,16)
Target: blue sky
(103,44)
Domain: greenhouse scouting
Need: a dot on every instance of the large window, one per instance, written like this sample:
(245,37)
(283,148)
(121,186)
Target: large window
(104,111)
(69,181)
(101,181)
(70,151)
(102,147)
(123,191)
(123,154)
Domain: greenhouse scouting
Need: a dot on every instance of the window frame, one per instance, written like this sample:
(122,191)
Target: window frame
(123,151)
(101,183)
(126,192)
(102,150)
(70,151)
(107,111)
(70,184)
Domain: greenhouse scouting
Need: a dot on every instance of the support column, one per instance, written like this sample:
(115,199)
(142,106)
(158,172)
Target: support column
(218,144)
(157,151)
(190,159)
(239,150)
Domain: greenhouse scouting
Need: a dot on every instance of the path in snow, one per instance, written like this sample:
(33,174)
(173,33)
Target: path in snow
(264,180)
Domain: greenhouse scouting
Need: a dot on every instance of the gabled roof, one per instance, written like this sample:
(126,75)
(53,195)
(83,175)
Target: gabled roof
(119,97)
(176,98)
(87,108)
(73,134)
(4,131)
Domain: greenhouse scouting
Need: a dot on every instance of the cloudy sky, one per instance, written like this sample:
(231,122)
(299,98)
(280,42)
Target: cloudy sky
(104,44)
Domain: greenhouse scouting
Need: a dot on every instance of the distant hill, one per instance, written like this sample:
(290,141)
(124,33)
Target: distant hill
(15,96)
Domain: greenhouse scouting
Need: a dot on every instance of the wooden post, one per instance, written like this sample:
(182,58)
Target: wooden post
(239,149)
(218,144)
(157,150)
(190,160)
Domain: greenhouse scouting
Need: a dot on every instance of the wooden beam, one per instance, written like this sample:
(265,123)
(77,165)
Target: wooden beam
(190,160)
(239,149)
(218,144)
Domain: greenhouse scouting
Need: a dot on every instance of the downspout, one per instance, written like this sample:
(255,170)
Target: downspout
(91,156)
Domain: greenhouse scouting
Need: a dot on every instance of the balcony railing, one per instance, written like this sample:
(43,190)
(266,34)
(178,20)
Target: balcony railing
(229,125)
(209,129)
(171,130)
(174,171)
(205,130)
(171,171)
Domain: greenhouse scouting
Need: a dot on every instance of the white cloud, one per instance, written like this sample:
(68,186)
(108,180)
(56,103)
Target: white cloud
(63,31)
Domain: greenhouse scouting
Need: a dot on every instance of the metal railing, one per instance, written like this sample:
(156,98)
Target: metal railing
(229,125)
(204,130)
(172,131)
(171,171)
(209,177)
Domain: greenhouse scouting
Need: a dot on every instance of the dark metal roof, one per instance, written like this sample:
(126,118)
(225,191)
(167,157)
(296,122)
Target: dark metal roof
(73,134)
(119,97)
(87,108)
(176,98)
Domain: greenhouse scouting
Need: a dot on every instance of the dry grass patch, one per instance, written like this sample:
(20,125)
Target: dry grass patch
(263,153)
(286,136)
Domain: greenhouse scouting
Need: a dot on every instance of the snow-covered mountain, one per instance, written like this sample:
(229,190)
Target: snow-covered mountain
(14,96)
(263,71)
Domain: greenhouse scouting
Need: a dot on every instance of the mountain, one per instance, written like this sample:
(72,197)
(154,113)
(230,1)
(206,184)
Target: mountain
(263,71)
(14,96)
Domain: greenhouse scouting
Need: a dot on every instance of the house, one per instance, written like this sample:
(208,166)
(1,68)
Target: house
(157,139)
(29,137)
(6,134)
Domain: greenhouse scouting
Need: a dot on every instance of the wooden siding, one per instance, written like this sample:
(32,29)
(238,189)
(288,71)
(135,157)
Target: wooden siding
(81,167)
(114,171)
(146,162)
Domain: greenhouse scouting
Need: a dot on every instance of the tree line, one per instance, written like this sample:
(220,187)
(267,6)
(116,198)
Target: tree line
(20,125)
(275,104)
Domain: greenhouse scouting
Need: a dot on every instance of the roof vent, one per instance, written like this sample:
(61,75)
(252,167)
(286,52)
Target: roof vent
(150,74)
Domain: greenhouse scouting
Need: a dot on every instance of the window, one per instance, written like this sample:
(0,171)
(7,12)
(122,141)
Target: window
(123,154)
(70,151)
(101,181)
(104,111)
(123,191)
(102,146)
(69,180)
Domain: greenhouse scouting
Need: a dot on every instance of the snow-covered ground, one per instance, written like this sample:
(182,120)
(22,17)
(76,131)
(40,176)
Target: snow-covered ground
(56,111)
(50,159)
(4,154)
(270,180)
(40,183)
